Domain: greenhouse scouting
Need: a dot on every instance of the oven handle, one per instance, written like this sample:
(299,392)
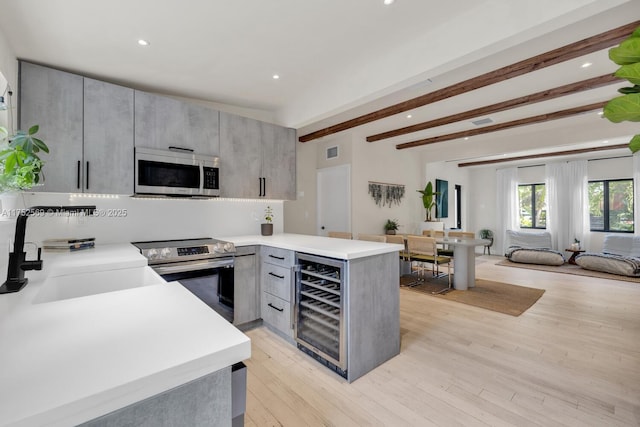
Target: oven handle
(192,266)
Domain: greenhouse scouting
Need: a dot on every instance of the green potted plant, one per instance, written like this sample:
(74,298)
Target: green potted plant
(627,106)
(391,226)
(428,199)
(20,165)
(266,228)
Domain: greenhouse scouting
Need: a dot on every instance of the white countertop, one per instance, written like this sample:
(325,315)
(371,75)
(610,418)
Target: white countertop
(316,245)
(69,361)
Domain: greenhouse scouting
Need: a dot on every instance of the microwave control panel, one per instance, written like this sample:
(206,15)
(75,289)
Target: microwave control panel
(210,178)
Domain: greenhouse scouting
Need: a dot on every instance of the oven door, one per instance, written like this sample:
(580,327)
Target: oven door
(209,280)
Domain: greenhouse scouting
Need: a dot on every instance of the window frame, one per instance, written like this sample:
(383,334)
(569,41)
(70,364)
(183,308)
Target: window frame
(605,208)
(534,218)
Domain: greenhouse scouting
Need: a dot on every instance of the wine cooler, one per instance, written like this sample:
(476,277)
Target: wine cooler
(320,310)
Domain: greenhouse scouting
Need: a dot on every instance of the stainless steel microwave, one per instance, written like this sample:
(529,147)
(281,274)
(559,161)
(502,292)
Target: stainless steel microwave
(176,173)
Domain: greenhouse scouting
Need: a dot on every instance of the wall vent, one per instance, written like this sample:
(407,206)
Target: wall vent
(482,121)
(332,152)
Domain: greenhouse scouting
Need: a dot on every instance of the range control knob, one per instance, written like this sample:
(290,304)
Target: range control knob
(152,253)
(228,247)
(165,252)
(218,248)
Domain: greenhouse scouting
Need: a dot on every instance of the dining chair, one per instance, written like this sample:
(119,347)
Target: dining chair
(398,239)
(424,250)
(340,234)
(372,238)
(462,234)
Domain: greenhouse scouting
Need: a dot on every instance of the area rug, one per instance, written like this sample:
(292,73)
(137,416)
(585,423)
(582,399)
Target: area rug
(495,296)
(569,269)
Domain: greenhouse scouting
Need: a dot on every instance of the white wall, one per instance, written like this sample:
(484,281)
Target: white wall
(454,175)
(483,187)
(381,162)
(377,162)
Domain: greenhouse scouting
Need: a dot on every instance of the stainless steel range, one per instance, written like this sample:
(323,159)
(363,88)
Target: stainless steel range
(204,266)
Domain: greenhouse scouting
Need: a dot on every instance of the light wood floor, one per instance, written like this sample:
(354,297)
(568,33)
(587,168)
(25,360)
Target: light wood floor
(573,359)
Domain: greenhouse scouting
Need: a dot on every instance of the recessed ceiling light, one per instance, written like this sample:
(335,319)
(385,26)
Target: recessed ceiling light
(388,2)
(276,77)
(586,64)
(143,42)
(605,142)
(466,138)
(600,113)
(409,116)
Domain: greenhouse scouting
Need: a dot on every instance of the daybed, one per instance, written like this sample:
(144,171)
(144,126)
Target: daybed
(620,255)
(531,248)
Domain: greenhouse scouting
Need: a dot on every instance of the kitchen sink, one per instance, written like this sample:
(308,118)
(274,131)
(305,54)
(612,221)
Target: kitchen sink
(84,284)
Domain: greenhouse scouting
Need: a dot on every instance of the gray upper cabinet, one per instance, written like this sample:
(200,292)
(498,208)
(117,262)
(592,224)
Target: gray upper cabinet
(162,122)
(88,126)
(53,100)
(240,156)
(278,161)
(108,138)
(257,159)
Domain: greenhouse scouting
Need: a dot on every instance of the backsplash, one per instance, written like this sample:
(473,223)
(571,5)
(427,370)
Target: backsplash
(122,219)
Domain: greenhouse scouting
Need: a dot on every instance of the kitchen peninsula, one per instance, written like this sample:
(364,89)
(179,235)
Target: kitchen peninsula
(341,303)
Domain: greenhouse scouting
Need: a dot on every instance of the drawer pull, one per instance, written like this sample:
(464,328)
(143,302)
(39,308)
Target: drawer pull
(275,308)
(275,275)
(281,258)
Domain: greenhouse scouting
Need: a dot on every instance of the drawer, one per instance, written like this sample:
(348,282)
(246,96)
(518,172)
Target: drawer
(277,256)
(276,280)
(276,312)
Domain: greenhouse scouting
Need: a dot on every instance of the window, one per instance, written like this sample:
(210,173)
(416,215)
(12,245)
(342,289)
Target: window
(611,205)
(533,207)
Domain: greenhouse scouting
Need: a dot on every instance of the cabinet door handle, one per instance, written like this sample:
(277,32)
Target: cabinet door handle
(78,170)
(275,308)
(264,187)
(259,187)
(275,275)
(281,258)
(174,148)
(87,172)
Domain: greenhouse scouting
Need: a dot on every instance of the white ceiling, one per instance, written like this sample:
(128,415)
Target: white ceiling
(337,58)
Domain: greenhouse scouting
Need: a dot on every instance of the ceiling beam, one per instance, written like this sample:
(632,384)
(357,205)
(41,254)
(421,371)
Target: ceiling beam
(552,57)
(544,95)
(541,155)
(502,126)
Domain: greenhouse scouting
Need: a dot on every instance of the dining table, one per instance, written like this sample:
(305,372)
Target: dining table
(464,256)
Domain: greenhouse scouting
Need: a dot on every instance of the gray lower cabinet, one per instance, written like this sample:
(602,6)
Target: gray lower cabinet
(246,293)
(276,283)
(203,402)
(53,99)
(162,122)
(88,126)
(267,153)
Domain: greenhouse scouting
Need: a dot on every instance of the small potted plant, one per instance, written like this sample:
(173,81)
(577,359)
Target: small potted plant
(428,199)
(391,226)
(266,228)
(575,246)
(20,165)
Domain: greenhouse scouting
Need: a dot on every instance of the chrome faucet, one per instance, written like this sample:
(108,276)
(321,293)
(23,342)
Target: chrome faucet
(18,263)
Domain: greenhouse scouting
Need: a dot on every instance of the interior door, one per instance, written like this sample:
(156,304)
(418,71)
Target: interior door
(334,199)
